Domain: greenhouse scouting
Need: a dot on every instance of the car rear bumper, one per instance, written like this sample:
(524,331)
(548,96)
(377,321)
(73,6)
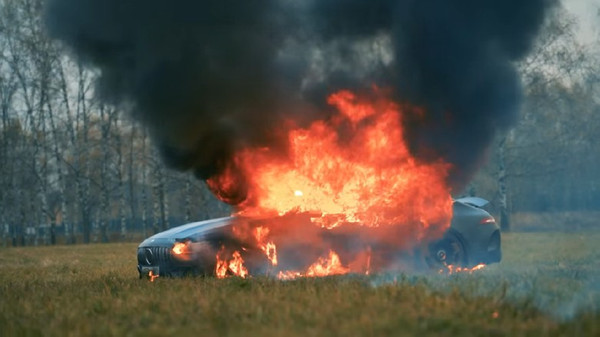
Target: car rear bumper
(494,248)
(489,252)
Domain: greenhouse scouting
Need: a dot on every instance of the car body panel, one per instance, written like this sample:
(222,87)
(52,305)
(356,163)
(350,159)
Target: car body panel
(194,230)
(473,234)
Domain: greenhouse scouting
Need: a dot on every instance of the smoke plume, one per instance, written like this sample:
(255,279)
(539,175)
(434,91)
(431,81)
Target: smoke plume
(211,77)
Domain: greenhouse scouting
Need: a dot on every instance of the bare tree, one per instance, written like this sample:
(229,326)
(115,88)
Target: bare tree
(160,201)
(69,162)
(107,117)
(82,167)
(131,173)
(7,91)
(118,169)
(502,191)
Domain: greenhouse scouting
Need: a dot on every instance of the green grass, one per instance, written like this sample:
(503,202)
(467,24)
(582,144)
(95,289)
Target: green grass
(547,284)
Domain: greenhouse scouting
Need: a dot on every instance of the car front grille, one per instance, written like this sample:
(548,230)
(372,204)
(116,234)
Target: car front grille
(154,256)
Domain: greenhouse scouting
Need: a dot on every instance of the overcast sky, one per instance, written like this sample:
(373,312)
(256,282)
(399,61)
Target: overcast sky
(586,12)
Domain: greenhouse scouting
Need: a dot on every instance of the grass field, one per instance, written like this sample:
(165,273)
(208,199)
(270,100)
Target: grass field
(547,284)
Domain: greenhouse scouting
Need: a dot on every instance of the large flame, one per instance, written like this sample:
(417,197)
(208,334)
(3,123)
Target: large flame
(355,177)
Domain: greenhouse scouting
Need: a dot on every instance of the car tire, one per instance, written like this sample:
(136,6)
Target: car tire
(447,251)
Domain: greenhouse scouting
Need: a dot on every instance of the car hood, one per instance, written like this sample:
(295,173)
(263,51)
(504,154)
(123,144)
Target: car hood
(181,232)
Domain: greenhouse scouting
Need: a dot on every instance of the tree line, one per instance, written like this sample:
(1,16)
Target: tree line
(74,169)
(548,161)
(70,165)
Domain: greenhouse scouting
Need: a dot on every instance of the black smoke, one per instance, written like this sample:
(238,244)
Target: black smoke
(210,77)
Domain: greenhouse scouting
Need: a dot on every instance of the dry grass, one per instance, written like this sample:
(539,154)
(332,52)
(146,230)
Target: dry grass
(546,285)
(555,221)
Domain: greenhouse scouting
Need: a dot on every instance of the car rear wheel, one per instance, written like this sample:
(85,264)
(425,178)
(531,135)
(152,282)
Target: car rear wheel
(447,251)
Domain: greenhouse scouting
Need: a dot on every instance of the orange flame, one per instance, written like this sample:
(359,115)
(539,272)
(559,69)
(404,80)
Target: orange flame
(289,275)
(323,267)
(368,271)
(353,169)
(451,269)
(269,248)
(234,266)
(152,276)
(179,248)
(357,167)
(327,266)
(221,268)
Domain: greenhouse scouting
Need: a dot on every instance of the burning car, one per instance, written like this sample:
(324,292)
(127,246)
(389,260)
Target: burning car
(342,195)
(214,247)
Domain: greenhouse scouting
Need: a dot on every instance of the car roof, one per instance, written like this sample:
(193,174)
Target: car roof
(473,201)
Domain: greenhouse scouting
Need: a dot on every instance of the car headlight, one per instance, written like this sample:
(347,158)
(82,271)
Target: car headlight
(181,250)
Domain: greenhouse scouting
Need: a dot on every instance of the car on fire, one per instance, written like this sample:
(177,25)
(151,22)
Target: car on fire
(473,238)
